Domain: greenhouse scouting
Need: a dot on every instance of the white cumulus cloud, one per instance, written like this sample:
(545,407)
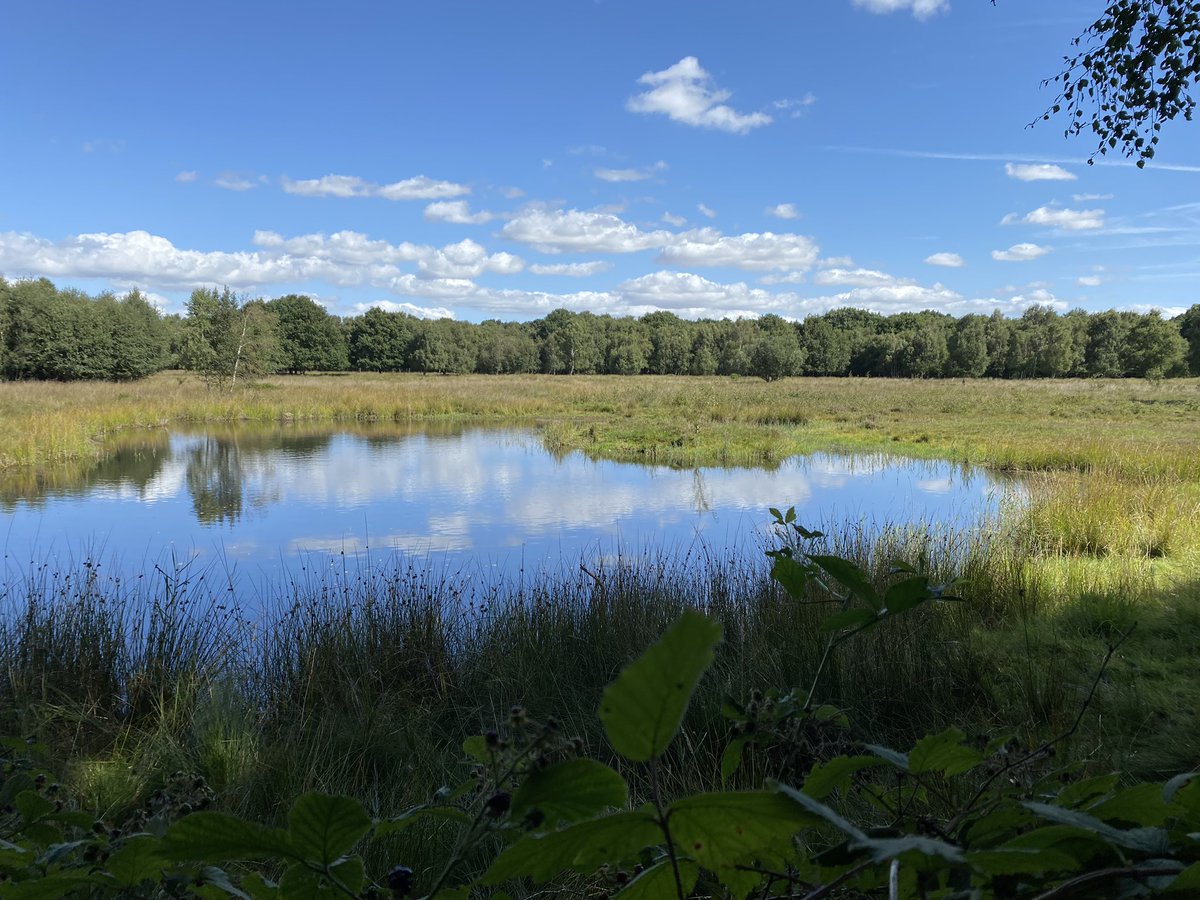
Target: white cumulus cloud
(456,212)
(187,177)
(467,259)
(858,278)
(420,312)
(153,262)
(706,211)
(948,260)
(686,93)
(783,211)
(559,231)
(751,251)
(577,231)
(1166,312)
(1060,217)
(1020,253)
(693,296)
(1039,172)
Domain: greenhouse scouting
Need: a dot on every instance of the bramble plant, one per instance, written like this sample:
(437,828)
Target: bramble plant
(955,816)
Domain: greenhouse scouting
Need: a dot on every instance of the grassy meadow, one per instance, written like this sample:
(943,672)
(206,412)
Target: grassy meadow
(367,683)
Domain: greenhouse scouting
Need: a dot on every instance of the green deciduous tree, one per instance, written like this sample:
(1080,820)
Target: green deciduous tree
(309,338)
(1131,71)
(504,348)
(45,328)
(1154,347)
(923,352)
(379,341)
(568,343)
(1189,330)
(777,352)
(139,343)
(1106,336)
(735,344)
(227,339)
(703,360)
(67,335)
(627,346)
(670,343)
(967,347)
(826,348)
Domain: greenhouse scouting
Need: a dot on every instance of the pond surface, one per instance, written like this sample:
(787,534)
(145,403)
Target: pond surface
(260,502)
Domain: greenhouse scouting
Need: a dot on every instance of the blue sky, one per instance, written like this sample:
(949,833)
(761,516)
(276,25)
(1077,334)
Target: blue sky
(488,160)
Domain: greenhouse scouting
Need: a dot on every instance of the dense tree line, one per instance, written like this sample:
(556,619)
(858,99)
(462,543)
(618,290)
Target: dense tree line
(64,334)
(1040,344)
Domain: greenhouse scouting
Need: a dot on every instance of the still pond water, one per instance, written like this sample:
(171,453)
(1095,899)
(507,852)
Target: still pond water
(262,502)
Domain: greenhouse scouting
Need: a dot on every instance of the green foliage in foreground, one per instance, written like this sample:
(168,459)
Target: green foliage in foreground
(952,817)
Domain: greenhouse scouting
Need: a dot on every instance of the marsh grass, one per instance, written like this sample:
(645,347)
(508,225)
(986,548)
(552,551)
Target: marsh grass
(366,681)
(1072,425)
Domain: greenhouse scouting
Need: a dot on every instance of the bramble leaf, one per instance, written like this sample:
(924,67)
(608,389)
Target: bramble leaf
(1188,880)
(324,828)
(731,758)
(220,879)
(819,809)
(476,747)
(721,830)
(658,881)
(850,618)
(136,861)
(943,753)
(850,577)
(32,806)
(1142,840)
(791,575)
(582,847)
(1173,787)
(1014,861)
(571,790)
(1141,804)
(907,594)
(829,776)
(213,836)
(643,709)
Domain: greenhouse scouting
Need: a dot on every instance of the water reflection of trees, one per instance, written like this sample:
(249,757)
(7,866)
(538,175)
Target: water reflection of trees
(219,464)
(214,480)
(133,462)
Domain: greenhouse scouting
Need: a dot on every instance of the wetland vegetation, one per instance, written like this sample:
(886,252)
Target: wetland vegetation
(365,683)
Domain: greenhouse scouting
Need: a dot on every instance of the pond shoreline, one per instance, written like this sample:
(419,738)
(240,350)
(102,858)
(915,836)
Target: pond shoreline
(368,696)
(267,499)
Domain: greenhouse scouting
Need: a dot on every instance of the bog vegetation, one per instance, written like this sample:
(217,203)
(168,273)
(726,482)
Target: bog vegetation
(65,335)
